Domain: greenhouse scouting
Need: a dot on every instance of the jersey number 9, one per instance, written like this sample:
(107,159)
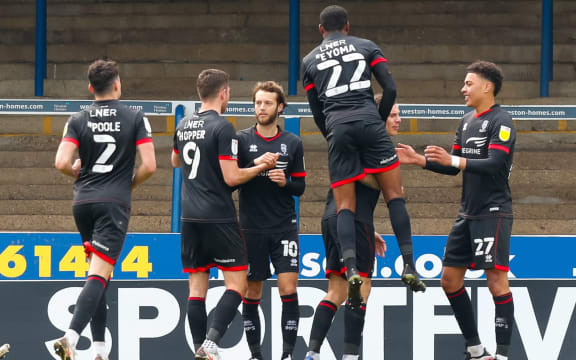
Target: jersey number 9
(193,162)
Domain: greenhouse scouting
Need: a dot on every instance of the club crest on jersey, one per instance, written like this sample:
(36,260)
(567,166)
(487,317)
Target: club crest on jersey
(504,134)
(283,149)
(484,126)
(253,148)
(234,146)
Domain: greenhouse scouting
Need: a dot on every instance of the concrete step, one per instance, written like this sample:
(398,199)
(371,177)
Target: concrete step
(257,72)
(308,225)
(278,53)
(64,192)
(411,178)
(64,207)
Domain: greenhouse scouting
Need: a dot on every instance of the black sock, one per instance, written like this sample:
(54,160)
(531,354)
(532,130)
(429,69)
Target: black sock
(88,302)
(353,327)
(346,230)
(223,315)
(252,326)
(98,322)
(504,322)
(462,307)
(400,221)
(290,318)
(197,319)
(323,317)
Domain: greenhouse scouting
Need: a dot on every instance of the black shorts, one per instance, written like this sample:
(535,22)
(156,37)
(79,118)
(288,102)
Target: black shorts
(479,243)
(359,148)
(282,249)
(208,245)
(364,248)
(102,227)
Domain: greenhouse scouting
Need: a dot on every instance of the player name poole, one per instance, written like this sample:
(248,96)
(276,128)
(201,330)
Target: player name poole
(104,126)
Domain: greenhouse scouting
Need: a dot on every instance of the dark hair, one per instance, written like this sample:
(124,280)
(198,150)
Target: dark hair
(272,87)
(488,71)
(334,18)
(210,82)
(102,74)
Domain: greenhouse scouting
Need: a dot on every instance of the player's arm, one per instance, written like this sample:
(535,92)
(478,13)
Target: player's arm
(380,247)
(316,106)
(294,183)
(64,156)
(175,159)
(234,176)
(384,78)
(148,165)
(408,155)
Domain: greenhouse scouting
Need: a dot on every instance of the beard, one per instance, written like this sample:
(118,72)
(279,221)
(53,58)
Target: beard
(269,120)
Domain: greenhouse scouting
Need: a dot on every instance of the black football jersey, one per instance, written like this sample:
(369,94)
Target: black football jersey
(265,206)
(106,134)
(201,141)
(366,201)
(484,194)
(340,70)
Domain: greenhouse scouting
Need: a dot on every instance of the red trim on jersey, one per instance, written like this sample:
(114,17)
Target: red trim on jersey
(175,151)
(298,174)
(309,86)
(271,138)
(482,113)
(505,301)
(99,279)
(339,273)
(347,181)
(144,141)
(233,268)
(251,302)
(199,269)
(363,307)
(384,169)
(88,249)
(226,157)
(377,61)
(460,292)
(456,147)
(72,140)
(328,305)
(499,147)
(196,298)
(501,267)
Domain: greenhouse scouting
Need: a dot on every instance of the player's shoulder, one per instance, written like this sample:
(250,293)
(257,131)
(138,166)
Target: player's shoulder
(501,114)
(245,133)
(288,136)
(311,56)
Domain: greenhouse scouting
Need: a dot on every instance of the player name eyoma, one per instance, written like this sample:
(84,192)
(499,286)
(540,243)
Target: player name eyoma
(335,48)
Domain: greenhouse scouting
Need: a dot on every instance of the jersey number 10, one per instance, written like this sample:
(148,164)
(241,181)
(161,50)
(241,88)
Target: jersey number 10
(355,84)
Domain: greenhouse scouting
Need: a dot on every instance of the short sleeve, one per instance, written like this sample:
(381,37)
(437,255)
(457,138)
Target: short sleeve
(299,167)
(502,133)
(227,142)
(70,133)
(143,129)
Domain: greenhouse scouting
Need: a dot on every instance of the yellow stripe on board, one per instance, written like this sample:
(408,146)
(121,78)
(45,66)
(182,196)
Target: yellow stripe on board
(170,123)
(47,125)
(562,125)
(413,125)
(232,120)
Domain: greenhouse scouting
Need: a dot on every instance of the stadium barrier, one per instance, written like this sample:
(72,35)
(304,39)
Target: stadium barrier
(294,112)
(41,276)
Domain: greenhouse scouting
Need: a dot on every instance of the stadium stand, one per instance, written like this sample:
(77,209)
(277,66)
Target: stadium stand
(163,44)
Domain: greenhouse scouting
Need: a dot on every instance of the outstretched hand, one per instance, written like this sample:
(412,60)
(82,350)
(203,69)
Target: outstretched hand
(438,155)
(381,247)
(269,159)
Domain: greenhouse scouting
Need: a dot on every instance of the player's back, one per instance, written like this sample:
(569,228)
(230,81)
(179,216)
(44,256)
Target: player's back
(340,69)
(201,141)
(107,134)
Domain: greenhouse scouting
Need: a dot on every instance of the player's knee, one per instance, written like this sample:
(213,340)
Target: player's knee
(450,284)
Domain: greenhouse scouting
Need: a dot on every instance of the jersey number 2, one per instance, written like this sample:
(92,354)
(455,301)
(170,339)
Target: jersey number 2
(355,83)
(192,162)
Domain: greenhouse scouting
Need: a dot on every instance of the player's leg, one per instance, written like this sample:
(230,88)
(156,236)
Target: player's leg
(284,254)
(379,158)
(287,283)
(251,316)
(225,242)
(458,256)
(197,315)
(325,312)
(493,252)
(354,316)
(346,168)
(258,271)
(108,224)
(98,328)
